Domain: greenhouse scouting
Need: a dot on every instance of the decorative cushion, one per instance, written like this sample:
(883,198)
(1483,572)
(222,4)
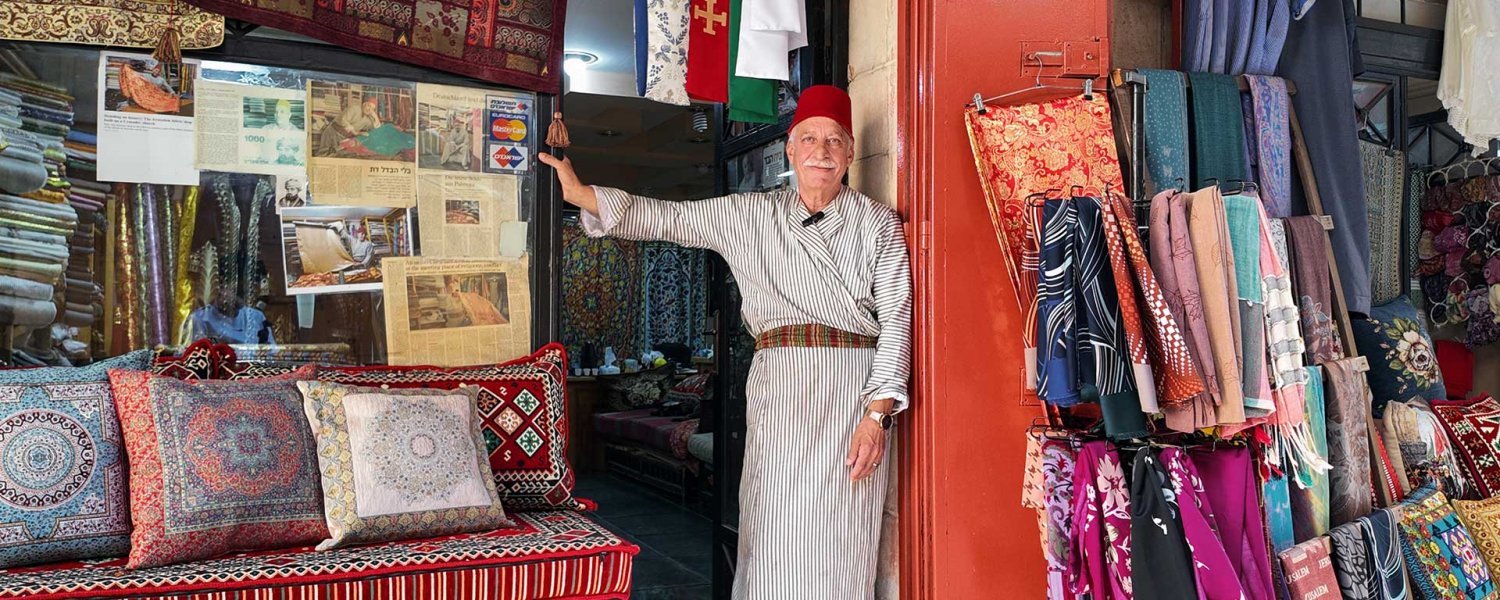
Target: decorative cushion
(1440,555)
(1403,363)
(1482,517)
(400,464)
(1457,364)
(1309,570)
(524,419)
(691,392)
(199,360)
(1474,428)
(62,485)
(217,466)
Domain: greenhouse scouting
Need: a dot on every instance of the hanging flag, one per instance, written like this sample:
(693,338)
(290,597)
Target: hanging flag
(750,100)
(771,30)
(661,50)
(708,51)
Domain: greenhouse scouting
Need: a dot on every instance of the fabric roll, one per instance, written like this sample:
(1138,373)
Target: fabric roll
(20,176)
(158,296)
(1216,577)
(30,270)
(1161,560)
(187,219)
(1057,307)
(1166,134)
(1352,564)
(1242,212)
(24,289)
(1351,494)
(1172,364)
(1102,354)
(1230,485)
(127,273)
(78,319)
(26,312)
(1383,540)
(29,250)
(1129,310)
(1214,263)
(1099,564)
(1313,285)
(1218,129)
(1385,193)
(1273,142)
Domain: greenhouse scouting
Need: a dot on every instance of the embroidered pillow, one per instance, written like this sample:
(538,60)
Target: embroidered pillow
(400,464)
(523,417)
(1474,428)
(1482,517)
(691,392)
(1309,570)
(199,360)
(1403,362)
(1440,555)
(217,466)
(62,485)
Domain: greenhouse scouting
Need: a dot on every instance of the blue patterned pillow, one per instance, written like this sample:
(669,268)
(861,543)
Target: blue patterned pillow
(62,464)
(1403,360)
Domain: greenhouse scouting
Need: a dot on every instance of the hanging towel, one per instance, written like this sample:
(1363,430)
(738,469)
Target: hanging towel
(771,30)
(661,46)
(1214,263)
(1130,311)
(1161,561)
(1273,143)
(1056,306)
(1166,134)
(1230,484)
(750,100)
(1216,578)
(1314,288)
(1218,129)
(1351,494)
(1242,213)
(1283,319)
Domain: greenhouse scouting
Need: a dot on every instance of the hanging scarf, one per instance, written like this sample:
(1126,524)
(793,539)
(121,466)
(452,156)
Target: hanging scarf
(1102,348)
(1215,267)
(1057,351)
(1130,312)
(1351,561)
(1177,378)
(1218,130)
(1172,255)
(1385,191)
(1231,488)
(1160,558)
(1273,142)
(1242,212)
(1311,279)
(1166,133)
(1099,560)
(1350,492)
(1383,539)
(1310,496)
(1214,575)
(1283,322)
(1049,491)
(1277,493)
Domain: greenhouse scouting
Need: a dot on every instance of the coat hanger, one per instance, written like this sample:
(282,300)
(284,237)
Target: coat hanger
(1087,88)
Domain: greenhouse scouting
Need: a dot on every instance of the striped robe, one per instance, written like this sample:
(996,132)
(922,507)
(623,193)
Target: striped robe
(806,530)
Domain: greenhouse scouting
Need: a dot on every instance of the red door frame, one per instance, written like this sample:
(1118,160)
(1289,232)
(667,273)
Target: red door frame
(963,531)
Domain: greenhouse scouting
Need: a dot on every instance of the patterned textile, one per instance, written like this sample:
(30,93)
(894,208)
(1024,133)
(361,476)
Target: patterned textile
(1383,538)
(1440,555)
(1272,147)
(674,287)
(1278,500)
(400,464)
(129,23)
(1172,256)
(1172,364)
(511,42)
(202,359)
(1103,357)
(1215,575)
(62,464)
(1352,563)
(1403,363)
(1053,502)
(1482,517)
(290,354)
(1166,134)
(1242,212)
(524,419)
(1283,328)
(601,293)
(1309,570)
(1130,313)
(1218,130)
(691,392)
(1310,496)
(1099,557)
(1385,193)
(1031,148)
(217,466)
(1347,403)
(1307,243)
(1474,427)
(1057,347)
(661,50)
(811,336)
(558,554)
(1215,267)
(639,426)
(1161,560)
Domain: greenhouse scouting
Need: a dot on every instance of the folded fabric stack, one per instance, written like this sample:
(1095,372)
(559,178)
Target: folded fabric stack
(21,168)
(84,296)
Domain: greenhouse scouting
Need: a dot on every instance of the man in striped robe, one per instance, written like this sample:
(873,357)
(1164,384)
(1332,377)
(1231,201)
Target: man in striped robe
(827,293)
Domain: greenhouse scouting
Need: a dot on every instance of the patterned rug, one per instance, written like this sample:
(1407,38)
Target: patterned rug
(511,42)
(601,293)
(130,23)
(674,281)
(1474,426)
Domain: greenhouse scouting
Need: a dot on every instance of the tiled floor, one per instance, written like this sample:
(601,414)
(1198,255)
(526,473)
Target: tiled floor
(676,544)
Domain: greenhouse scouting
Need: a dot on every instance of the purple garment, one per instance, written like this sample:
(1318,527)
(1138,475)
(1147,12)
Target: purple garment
(1265,60)
(1271,135)
(1099,561)
(1243,27)
(1218,59)
(1231,488)
(1057,484)
(1215,575)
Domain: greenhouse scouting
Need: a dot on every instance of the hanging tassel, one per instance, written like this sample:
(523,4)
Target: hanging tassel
(168,53)
(557,132)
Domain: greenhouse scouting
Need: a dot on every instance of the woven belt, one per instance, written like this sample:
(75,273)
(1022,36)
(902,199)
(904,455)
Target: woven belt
(811,336)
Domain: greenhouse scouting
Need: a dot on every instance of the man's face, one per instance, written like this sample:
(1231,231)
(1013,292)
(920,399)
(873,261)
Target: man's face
(293,187)
(820,152)
(283,115)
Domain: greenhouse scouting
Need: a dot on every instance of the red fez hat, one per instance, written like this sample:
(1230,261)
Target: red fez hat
(824,101)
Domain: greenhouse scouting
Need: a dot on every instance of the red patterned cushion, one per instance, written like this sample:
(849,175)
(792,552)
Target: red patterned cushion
(525,417)
(1474,427)
(200,360)
(217,466)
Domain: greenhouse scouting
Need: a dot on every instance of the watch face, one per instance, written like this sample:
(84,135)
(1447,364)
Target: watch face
(886,421)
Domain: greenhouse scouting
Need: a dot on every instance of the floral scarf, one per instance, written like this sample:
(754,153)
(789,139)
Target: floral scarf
(1099,560)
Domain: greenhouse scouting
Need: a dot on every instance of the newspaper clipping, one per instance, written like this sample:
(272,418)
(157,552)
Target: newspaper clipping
(248,129)
(362,142)
(461,213)
(456,312)
(334,249)
(450,135)
(146,120)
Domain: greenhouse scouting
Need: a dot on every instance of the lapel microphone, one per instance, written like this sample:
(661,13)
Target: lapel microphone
(813,220)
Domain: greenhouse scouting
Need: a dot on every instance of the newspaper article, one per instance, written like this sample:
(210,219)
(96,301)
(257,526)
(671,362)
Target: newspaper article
(249,129)
(452,313)
(334,249)
(460,213)
(146,120)
(363,149)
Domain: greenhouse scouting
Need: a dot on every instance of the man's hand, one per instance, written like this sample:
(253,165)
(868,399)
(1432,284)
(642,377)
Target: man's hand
(866,449)
(574,191)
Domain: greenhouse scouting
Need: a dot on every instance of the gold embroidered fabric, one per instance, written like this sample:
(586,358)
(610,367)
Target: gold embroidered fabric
(129,23)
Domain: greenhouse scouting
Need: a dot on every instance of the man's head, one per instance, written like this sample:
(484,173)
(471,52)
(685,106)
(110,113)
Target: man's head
(819,145)
(293,186)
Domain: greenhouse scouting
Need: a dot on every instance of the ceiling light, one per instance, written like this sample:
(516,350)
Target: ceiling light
(574,62)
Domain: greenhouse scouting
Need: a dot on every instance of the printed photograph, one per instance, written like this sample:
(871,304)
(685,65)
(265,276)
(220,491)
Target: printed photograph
(454,301)
(462,212)
(291,191)
(350,120)
(145,86)
(273,131)
(449,138)
(338,248)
